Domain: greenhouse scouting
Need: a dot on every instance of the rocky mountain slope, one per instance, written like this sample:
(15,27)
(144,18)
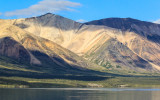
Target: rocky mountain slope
(140,36)
(24,54)
(115,44)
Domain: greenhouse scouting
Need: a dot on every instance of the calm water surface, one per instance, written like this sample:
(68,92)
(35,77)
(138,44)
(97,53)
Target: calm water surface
(80,94)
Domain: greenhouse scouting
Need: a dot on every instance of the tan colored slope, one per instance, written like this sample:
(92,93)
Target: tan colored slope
(49,26)
(147,50)
(142,37)
(96,35)
(73,36)
(144,48)
(67,33)
(34,44)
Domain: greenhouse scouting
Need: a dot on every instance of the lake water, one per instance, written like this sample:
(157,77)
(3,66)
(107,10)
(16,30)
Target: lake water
(80,94)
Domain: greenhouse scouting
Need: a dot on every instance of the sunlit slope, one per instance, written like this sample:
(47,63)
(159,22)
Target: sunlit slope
(140,36)
(38,54)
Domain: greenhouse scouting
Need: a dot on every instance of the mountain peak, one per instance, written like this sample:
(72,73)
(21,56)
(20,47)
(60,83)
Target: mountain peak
(47,14)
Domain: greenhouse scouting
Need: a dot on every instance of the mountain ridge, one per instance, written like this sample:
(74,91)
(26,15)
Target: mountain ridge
(77,37)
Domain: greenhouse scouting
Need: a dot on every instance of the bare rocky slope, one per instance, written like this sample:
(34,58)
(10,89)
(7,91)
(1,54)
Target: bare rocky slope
(116,44)
(140,36)
(24,54)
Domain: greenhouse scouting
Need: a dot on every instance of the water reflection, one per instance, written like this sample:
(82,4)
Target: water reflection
(79,94)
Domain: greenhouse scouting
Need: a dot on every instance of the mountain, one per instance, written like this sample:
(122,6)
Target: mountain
(140,36)
(54,51)
(116,44)
(53,27)
(145,29)
(23,54)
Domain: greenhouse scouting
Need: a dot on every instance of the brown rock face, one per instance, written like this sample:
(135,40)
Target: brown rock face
(10,48)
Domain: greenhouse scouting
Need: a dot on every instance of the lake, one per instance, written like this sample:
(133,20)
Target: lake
(79,94)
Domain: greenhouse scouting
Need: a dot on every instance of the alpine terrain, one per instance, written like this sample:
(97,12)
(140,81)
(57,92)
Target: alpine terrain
(53,51)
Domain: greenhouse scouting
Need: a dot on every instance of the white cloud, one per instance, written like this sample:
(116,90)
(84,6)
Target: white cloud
(0,13)
(157,21)
(81,20)
(45,6)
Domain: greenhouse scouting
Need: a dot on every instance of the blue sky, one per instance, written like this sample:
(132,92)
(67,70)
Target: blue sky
(87,10)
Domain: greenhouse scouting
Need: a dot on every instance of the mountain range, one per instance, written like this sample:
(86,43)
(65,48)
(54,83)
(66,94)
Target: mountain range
(50,45)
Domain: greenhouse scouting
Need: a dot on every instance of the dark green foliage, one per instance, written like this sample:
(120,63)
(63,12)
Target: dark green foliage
(117,66)
(108,65)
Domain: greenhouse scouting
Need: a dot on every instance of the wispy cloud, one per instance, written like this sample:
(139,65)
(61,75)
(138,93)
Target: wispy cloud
(81,20)
(0,13)
(157,21)
(45,6)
